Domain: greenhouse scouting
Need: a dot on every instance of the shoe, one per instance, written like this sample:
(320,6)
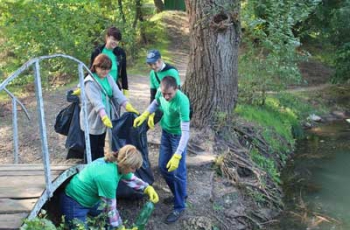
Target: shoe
(174,216)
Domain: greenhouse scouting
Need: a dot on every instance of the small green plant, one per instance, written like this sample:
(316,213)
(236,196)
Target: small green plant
(266,164)
(39,223)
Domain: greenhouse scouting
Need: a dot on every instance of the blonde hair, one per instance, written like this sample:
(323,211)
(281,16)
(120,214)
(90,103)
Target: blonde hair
(128,156)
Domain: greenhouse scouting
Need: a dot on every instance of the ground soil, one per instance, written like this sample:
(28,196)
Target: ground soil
(213,201)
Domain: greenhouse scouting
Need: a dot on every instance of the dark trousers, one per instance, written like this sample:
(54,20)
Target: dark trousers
(97,143)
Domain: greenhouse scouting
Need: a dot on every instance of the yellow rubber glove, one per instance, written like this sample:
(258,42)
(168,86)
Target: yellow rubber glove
(173,163)
(129,108)
(151,121)
(126,92)
(153,196)
(76,92)
(140,119)
(106,121)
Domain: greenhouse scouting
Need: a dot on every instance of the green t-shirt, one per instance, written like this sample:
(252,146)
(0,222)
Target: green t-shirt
(97,179)
(170,72)
(174,111)
(114,69)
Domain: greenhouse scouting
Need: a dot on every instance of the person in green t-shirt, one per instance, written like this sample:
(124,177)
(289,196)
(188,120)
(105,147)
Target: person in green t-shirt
(94,189)
(118,56)
(159,69)
(99,88)
(175,125)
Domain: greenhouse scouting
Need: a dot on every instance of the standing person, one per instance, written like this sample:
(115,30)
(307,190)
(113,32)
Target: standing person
(175,125)
(159,69)
(98,106)
(117,56)
(98,182)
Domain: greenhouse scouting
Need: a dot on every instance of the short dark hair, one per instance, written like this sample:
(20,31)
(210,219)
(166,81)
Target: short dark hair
(102,61)
(114,32)
(169,81)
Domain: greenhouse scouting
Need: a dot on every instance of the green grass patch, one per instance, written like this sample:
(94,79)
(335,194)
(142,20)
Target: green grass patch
(158,40)
(282,114)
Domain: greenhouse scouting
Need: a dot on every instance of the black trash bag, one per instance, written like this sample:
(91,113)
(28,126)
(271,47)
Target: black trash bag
(75,139)
(63,120)
(124,133)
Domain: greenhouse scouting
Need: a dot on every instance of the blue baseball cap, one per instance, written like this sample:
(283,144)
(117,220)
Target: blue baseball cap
(152,56)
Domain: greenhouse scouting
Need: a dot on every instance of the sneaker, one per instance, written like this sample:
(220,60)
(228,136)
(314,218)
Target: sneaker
(174,216)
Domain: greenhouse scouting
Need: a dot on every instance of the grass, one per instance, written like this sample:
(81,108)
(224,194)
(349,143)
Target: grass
(159,41)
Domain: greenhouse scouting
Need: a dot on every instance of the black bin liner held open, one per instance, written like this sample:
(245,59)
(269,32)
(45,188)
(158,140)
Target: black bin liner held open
(124,133)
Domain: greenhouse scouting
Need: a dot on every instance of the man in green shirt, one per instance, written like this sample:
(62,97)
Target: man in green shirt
(175,125)
(159,69)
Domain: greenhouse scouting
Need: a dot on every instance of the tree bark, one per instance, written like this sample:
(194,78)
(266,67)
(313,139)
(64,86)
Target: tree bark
(159,5)
(121,12)
(139,18)
(212,72)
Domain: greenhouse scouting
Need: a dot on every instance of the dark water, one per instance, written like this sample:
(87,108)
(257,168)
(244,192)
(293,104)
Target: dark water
(317,181)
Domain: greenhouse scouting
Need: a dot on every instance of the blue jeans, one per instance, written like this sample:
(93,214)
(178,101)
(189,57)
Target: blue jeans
(176,180)
(72,210)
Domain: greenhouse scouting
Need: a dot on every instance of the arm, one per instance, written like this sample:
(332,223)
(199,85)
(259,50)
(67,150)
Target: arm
(93,94)
(185,135)
(122,74)
(153,94)
(111,209)
(135,183)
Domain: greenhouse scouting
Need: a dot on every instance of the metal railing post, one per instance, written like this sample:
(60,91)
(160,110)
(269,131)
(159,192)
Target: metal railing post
(44,146)
(86,125)
(15,131)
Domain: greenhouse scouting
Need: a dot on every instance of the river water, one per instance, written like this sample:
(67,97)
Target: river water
(317,181)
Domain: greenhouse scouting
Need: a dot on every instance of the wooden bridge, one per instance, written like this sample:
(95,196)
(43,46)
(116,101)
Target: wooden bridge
(25,188)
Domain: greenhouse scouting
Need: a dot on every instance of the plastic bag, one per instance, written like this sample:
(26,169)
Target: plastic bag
(124,133)
(63,120)
(75,138)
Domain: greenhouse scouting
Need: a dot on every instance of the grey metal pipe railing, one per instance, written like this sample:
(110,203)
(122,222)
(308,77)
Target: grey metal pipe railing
(39,97)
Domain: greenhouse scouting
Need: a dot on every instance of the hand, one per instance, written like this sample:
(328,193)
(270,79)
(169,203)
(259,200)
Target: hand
(76,92)
(173,163)
(122,227)
(107,122)
(153,196)
(129,108)
(151,121)
(140,119)
(126,92)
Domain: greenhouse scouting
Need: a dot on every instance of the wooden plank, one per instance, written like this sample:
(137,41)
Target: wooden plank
(28,173)
(12,221)
(21,192)
(11,206)
(30,167)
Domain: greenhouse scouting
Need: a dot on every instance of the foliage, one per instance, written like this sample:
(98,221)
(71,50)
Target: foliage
(267,164)
(39,223)
(35,28)
(329,28)
(270,57)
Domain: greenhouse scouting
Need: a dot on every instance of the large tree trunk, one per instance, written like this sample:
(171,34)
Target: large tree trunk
(159,5)
(211,78)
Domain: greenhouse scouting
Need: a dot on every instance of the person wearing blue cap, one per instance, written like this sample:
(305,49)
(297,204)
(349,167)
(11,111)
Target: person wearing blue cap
(159,69)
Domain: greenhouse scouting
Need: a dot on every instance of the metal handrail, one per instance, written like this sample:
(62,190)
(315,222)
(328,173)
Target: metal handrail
(38,92)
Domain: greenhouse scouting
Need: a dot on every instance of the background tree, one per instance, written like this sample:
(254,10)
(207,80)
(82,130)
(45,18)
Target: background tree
(159,5)
(211,78)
